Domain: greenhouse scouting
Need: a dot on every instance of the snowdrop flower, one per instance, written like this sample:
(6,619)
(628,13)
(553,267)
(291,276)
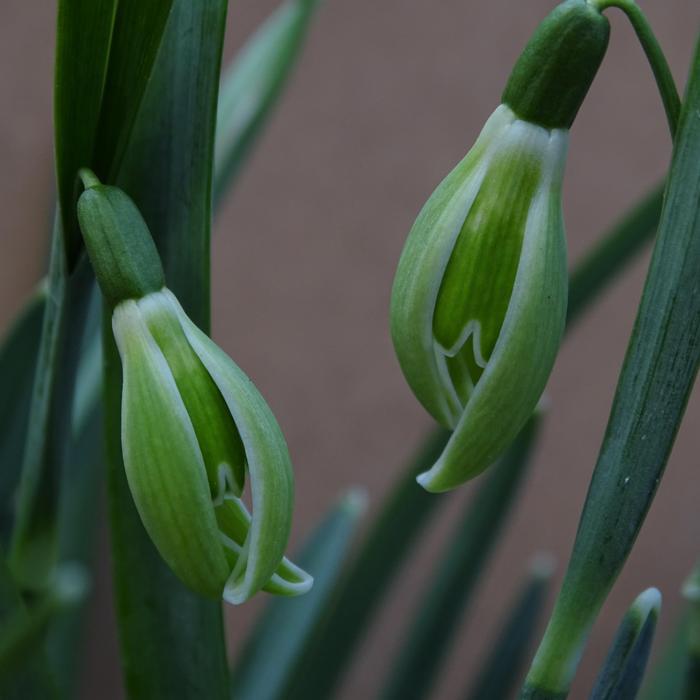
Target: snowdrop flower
(479,300)
(195,429)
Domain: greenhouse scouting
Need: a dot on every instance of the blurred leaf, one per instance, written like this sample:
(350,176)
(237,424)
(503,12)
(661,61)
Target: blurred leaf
(439,609)
(365,581)
(691,592)
(667,676)
(621,675)
(656,379)
(80,501)
(500,672)
(33,542)
(92,54)
(172,639)
(136,38)
(30,677)
(253,84)
(78,520)
(105,50)
(18,357)
(284,630)
(83,35)
(22,631)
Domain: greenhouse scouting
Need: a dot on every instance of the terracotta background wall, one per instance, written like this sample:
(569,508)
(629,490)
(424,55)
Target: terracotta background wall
(388,97)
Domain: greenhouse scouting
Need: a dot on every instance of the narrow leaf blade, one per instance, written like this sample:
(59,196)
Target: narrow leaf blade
(285,628)
(172,639)
(449,592)
(253,84)
(656,379)
(367,579)
(621,675)
(18,360)
(83,34)
(500,671)
(136,38)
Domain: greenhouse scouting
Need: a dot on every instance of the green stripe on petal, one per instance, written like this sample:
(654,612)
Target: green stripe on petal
(163,462)
(479,278)
(269,467)
(217,436)
(421,268)
(519,367)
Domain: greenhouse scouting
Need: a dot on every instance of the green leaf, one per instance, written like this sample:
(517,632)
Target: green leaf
(253,85)
(285,628)
(89,54)
(656,379)
(691,592)
(33,542)
(30,677)
(428,637)
(80,501)
(621,675)
(18,359)
(105,51)
(136,38)
(83,35)
(367,578)
(502,666)
(172,639)
(667,675)
(23,629)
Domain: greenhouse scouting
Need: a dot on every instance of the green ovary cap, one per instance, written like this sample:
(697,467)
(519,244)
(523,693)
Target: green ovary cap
(118,242)
(554,73)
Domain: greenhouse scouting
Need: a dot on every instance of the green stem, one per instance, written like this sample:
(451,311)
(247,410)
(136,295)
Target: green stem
(657,60)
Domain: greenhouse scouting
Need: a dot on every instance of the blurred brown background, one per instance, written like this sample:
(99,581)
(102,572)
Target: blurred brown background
(388,96)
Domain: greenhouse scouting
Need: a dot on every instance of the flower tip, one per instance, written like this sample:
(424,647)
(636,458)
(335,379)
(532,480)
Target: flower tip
(430,482)
(290,581)
(648,602)
(303,586)
(355,501)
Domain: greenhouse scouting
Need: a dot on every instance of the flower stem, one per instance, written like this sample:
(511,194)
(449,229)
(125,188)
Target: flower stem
(657,60)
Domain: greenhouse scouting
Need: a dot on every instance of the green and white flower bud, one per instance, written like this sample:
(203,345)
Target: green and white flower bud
(194,428)
(478,305)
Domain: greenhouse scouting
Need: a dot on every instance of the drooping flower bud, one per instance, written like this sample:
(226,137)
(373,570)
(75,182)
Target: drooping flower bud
(194,428)
(479,300)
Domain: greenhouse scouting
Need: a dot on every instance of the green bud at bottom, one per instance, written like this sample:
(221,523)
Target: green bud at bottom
(194,429)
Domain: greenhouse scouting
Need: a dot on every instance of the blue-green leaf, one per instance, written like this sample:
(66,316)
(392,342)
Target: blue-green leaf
(501,669)
(691,592)
(83,36)
(656,379)
(18,357)
(253,84)
(668,674)
(284,631)
(367,578)
(621,675)
(172,639)
(449,591)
